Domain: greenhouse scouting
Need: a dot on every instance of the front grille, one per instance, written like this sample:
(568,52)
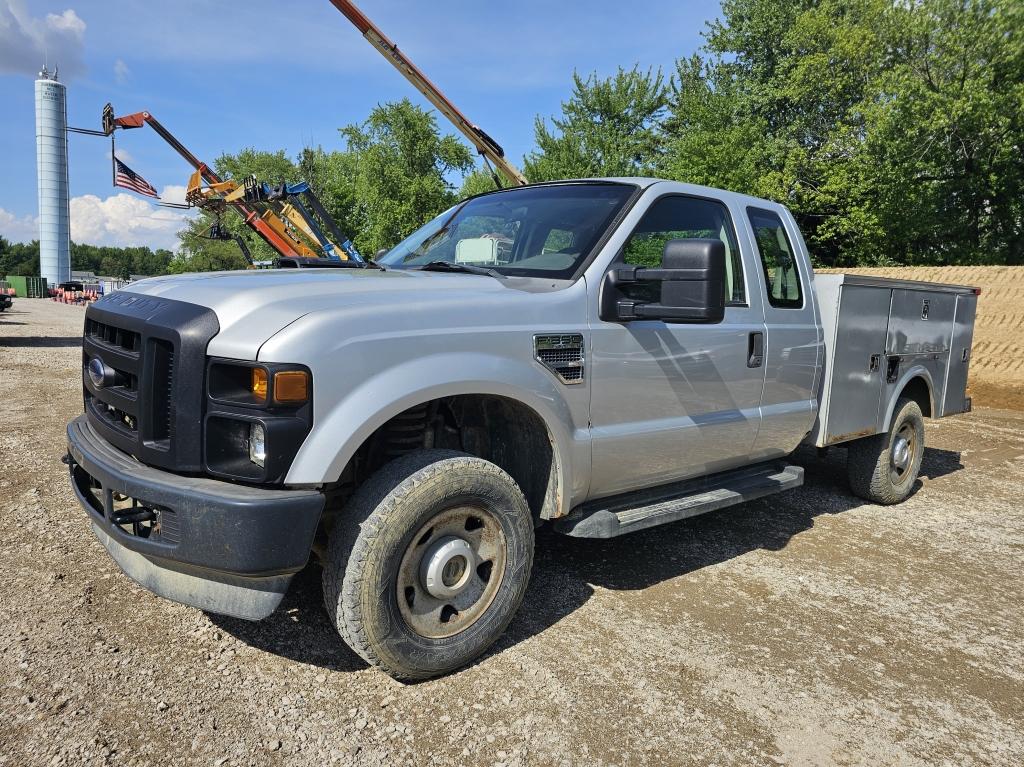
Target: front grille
(562,354)
(163,385)
(116,403)
(149,405)
(113,336)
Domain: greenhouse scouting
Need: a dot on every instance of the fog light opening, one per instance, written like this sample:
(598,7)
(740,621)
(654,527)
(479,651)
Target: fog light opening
(257,444)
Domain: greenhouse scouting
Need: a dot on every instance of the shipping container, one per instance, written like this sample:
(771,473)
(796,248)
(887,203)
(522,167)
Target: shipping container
(28,287)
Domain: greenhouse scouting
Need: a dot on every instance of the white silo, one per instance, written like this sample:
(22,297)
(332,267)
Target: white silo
(52,164)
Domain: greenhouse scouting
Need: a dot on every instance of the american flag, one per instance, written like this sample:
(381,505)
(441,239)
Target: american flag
(129,179)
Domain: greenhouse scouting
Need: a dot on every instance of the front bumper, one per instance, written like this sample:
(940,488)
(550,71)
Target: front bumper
(221,547)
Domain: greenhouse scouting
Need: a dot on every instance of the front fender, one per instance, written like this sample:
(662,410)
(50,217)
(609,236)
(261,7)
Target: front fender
(339,432)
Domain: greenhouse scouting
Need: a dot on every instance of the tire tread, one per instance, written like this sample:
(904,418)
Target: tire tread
(357,529)
(868,461)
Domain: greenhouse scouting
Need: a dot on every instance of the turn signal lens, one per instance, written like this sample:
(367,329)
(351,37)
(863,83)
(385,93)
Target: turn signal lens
(291,386)
(259,384)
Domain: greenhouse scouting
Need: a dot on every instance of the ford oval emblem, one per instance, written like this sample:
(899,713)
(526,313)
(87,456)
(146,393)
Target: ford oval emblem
(97,372)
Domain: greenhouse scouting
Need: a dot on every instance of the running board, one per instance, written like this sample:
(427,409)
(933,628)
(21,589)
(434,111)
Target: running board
(620,514)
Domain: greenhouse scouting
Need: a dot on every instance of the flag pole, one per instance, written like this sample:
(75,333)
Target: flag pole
(113,166)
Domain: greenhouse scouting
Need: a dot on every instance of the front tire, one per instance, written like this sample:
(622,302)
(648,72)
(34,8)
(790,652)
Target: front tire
(428,563)
(884,468)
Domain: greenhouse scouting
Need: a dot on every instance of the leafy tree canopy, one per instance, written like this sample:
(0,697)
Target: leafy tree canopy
(23,259)
(401,166)
(892,130)
(608,127)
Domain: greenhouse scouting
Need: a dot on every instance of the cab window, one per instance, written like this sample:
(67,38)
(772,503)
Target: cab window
(539,231)
(777,258)
(677,217)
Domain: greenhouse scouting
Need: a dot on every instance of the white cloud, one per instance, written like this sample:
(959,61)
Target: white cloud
(27,42)
(121,72)
(121,220)
(173,193)
(126,220)
(18,229)
(124,155)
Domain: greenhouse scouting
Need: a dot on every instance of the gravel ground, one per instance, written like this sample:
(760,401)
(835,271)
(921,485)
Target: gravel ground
(808,628)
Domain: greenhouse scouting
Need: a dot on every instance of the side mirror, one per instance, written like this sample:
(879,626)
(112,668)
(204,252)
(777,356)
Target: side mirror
(692,282)
(380,253)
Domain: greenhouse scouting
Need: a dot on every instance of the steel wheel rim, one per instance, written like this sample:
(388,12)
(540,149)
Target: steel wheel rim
(902,453)
(451,571)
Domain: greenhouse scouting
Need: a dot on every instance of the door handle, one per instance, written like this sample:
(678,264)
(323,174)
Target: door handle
(755,350)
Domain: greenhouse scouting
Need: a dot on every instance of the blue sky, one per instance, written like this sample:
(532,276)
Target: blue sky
(272,75)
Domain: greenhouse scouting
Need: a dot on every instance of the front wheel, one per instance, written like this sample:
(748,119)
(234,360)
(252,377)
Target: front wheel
(428,563)
(883,468)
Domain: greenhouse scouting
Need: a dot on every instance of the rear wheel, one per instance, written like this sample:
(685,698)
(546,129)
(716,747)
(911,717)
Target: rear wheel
(428,563)
(884,468)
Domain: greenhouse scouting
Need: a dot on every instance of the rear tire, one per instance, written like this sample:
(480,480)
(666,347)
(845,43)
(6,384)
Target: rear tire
(884,468)
(428,563)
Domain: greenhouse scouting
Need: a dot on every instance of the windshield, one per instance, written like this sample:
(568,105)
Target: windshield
(544,231)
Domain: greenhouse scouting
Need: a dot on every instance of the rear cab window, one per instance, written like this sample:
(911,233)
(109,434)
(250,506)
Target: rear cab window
(778,259)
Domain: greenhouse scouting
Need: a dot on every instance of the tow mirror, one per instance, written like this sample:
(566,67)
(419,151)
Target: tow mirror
(692,282)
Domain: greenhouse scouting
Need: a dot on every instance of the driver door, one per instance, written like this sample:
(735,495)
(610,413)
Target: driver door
(674,400)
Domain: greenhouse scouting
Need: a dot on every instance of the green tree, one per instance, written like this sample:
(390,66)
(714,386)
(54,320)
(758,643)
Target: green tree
(272,167)
(199,253)
(892,130)
(18,257)
(331,176)
(708,140)
(945,129)
(608,127)
(478,182)
(400,166)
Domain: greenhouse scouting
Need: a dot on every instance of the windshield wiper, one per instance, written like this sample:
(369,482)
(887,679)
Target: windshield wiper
(448,266)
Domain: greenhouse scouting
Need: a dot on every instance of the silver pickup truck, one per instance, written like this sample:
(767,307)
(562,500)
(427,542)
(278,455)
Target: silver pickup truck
(601,356)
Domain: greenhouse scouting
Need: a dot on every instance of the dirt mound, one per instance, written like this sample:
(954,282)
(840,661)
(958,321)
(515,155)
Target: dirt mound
(997,367)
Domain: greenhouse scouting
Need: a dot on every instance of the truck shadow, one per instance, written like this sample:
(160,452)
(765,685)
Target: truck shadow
(298,630)
(567,570)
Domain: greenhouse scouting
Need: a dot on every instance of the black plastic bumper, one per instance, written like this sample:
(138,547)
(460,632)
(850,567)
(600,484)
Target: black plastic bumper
(222,547)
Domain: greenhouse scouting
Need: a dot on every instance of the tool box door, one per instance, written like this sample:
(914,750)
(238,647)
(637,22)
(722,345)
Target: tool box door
(857,363)
(954,399)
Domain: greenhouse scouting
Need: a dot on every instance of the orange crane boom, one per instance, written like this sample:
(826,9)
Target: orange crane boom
(249,215)
(484,144)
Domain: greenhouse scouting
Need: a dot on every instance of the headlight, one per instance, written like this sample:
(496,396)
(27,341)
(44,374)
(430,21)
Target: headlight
(257,444)
(261,385)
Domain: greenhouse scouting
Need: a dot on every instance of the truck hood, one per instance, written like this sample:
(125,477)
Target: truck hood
(252,306)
